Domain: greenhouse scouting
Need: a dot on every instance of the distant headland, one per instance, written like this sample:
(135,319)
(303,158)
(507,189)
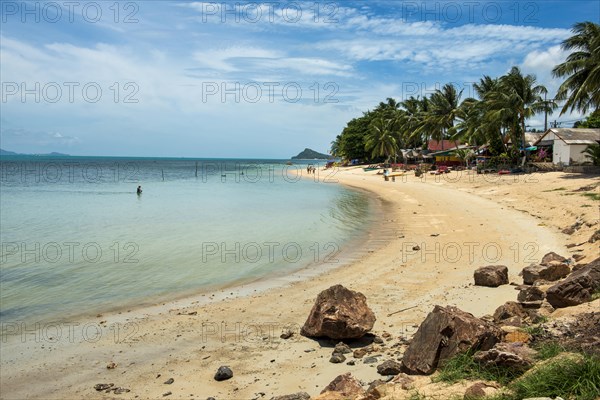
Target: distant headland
(309,154)
(12,153)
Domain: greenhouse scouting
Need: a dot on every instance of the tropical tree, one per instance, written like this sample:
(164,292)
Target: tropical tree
(469,128)
(443,110)
(593,153)
(518,98)
(581,69)
(381,140)
(592,121)
(412,121)
(464,155)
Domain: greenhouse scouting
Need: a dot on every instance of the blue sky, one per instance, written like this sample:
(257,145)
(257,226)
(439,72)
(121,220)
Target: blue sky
(241,79)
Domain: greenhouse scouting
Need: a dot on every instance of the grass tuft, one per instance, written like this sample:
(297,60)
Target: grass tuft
(463,366)
(547,350)
(567,378)
(593,196)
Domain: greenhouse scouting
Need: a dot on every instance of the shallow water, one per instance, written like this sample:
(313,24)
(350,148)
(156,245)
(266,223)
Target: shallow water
(76,239)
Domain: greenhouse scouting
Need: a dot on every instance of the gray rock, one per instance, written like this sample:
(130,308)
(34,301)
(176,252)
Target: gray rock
(370,360)
(389,367)
(337,358)
(342,348)
(223,373)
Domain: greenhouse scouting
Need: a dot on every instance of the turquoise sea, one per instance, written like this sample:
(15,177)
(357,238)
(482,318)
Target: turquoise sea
(76,239)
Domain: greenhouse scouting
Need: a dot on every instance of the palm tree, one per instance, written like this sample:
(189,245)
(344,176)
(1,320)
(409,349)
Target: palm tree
(581,88)
(381,139)
(464,155)
(593,153)
(443,112)
(518,98)
(412,120)
(469,128)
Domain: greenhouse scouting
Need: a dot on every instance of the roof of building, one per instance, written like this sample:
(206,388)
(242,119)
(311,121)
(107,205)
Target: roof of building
(435,145)
(574,135)
(449,151)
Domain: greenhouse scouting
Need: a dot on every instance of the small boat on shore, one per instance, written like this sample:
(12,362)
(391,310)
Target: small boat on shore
(371,168)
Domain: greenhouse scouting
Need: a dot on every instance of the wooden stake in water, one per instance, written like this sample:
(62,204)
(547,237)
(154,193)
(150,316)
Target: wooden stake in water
(196,169)
(163,174)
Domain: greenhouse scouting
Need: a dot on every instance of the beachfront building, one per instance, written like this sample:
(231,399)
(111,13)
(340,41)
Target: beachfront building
(567,144)
(442,152)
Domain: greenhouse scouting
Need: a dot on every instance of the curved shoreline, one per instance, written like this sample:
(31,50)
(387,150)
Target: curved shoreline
(352,249)
(393,277)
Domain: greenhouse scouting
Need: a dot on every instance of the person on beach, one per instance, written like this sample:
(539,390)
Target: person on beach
(139,190)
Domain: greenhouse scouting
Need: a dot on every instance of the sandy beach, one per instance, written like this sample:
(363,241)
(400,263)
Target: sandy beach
(460,222)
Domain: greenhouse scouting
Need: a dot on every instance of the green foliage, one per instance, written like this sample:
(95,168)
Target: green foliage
(568,378)
(592,152)
(581,87)
(592,121)
(463,366)
(548,350)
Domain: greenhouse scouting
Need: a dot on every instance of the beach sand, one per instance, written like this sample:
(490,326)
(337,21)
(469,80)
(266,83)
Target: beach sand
(460,222)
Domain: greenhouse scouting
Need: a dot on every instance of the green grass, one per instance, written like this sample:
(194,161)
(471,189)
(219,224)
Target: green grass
(463,366)
(596,295)
(567,378)
(586,205)
(555,190)
(593,196)
(547,350)
(534,330)
(417,396)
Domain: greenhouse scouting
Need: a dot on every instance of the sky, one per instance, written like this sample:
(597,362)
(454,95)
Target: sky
(251,79)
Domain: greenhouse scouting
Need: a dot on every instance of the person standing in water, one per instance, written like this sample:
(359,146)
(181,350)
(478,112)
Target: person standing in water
(139,190)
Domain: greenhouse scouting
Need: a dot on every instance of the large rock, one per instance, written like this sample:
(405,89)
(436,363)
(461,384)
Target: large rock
(491,275)
(552,256)
(529,294)
(447,331)
(577,288)
(515,356)
(389,367)
(551,271)
(339,313)
(509,310)
(345,385)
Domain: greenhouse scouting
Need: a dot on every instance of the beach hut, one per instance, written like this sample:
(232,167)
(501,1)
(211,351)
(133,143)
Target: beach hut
(568,143)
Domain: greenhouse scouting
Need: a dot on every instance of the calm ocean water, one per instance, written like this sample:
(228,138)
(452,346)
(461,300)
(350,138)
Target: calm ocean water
(76,239)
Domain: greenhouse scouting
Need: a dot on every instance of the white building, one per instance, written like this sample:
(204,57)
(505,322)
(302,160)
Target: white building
(568,143)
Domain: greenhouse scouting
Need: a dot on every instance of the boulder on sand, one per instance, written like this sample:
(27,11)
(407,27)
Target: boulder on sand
(447,331)
(577,288)
(551,271)
(491,276)
(339,313)
(345,385)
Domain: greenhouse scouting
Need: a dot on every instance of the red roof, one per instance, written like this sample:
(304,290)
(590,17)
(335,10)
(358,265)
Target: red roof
(434,145)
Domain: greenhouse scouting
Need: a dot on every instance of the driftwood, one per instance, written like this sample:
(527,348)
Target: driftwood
(399,311)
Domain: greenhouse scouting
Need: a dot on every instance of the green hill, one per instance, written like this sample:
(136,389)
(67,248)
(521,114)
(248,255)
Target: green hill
(309,154)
